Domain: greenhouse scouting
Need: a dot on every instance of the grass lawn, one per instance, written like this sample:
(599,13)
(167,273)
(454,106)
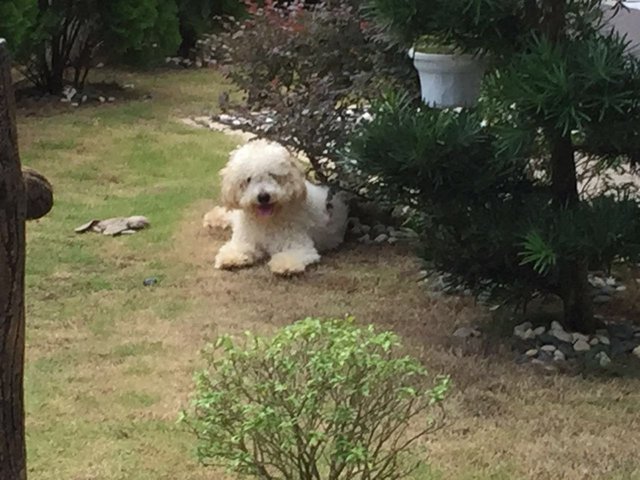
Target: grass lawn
(109,361)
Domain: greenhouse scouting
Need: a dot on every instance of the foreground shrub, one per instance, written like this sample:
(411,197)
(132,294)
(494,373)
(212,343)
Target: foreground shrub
(320,400)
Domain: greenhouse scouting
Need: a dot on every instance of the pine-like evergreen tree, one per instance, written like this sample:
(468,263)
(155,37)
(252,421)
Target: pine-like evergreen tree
(498,184)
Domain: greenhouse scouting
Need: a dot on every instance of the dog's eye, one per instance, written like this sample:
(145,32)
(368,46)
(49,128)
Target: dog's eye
(248,180)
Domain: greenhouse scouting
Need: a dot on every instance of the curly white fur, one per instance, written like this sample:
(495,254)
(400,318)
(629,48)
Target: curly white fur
(274,212)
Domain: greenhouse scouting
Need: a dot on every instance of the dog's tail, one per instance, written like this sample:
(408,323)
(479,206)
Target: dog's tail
(217,219)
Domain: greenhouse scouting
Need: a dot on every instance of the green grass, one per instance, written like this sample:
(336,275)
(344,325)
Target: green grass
(110,361)
(88,390)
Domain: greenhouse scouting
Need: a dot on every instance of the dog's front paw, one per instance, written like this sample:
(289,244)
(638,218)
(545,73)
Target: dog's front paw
(229,259)
(286,264)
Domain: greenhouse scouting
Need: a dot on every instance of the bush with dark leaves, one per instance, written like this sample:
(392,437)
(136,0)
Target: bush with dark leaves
(313,67)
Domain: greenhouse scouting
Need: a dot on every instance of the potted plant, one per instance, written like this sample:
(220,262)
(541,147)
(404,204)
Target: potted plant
(448,78)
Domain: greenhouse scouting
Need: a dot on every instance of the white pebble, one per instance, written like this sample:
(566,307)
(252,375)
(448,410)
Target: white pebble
(539,331)
(555,325)
(381,238)
(562,336)
(579,336)
(581,346)
(558,356)
(603,359)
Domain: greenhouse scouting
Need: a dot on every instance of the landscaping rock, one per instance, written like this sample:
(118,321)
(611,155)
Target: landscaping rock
(581,346)
(519,330)
(366,239)
(636,351)
(69,93)
(594,341)
(531,352)
(539,331)
(548,348)
(379,230)
(383,237)
(555,325)
(147,282)
(558,356)
(422,275)
(597,282)
(603,359)
(603,339)
(579,336)
(562,336)
(601,299)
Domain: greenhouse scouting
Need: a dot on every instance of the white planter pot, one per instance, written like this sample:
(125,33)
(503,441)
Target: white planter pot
(449,80)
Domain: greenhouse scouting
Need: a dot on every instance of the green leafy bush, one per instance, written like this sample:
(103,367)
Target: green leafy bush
(52,37)
(319,400)
(16,17)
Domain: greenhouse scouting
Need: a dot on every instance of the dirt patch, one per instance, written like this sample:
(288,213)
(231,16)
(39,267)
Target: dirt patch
(501,416)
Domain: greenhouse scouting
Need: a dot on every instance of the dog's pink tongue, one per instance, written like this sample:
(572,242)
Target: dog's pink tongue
(265,210)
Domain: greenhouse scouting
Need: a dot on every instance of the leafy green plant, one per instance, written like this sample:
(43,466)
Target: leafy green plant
(53,37)
(538,253)
(319,400)
(16,16)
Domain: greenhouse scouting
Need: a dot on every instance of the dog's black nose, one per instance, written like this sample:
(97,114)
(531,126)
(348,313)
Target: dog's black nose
(264,198)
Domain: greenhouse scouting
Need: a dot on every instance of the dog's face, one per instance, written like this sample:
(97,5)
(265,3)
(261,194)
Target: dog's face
(261,178)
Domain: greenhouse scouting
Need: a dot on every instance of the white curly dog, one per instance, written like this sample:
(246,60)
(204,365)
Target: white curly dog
(274,212)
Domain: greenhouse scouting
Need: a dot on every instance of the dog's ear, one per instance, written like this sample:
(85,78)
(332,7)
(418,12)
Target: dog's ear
(230,193)
(297,182)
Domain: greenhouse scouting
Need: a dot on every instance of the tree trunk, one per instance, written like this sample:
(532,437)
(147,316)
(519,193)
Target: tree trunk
(13,211)
(573,273)
(574,286)
(22,197)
